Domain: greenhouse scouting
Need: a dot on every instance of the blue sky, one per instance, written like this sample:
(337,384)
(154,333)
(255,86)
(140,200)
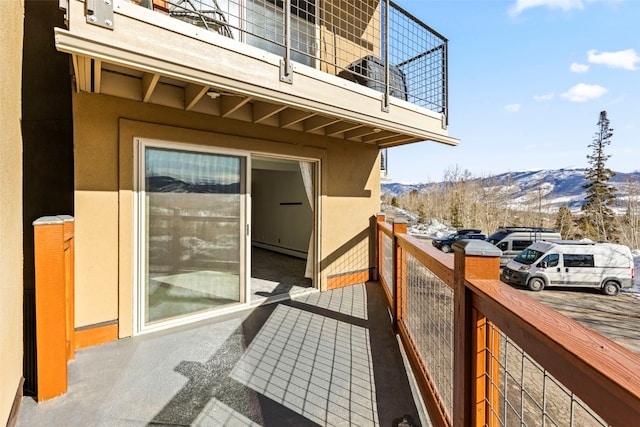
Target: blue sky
(527,82)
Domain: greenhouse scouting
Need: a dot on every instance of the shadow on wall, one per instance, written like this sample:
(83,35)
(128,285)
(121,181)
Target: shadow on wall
(349,170)
(47,135)
(359,250)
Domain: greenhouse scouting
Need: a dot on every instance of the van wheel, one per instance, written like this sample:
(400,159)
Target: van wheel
(610,288)
(446,248)
(536,284)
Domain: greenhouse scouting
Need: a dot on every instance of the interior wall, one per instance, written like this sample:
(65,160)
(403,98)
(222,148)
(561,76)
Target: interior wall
(11,26)
(104,130)
(281,216)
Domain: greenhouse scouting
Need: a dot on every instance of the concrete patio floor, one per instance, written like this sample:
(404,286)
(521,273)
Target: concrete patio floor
(327,359)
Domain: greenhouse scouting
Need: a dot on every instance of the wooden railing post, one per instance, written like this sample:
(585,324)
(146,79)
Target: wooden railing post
(380,217)
(51,329)
(399,271)
(69,259)
(475,349)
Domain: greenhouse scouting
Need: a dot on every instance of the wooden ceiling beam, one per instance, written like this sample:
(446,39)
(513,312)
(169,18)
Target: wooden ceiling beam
(378,136)
(361,132)
(264,110)
(290,117)
(193,94)
(397,140)
(341,127)
(318,122)
(229,104)
(149,83)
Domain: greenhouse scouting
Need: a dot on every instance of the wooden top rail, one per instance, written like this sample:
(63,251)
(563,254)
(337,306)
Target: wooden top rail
(605,375)
(386,228)
(433,259)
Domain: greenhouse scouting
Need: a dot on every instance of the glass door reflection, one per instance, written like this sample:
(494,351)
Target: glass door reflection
(193,230)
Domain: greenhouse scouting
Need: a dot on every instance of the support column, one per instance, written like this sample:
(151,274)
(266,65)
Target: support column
(53,259)
(476,347)
(399,271)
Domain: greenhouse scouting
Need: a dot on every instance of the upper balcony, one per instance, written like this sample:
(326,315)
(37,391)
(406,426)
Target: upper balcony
(364,71)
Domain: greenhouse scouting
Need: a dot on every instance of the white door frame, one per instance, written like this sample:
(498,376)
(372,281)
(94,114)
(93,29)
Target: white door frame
(139,225)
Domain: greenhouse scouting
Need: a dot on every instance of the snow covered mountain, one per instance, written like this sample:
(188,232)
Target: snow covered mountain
(561,187)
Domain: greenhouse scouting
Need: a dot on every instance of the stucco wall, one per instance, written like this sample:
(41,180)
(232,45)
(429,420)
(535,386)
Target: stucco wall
(104,128)
(11,27)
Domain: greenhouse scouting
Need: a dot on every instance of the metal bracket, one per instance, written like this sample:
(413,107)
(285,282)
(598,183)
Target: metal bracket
(100,13)
(385,103)
(63,5)
(286,74)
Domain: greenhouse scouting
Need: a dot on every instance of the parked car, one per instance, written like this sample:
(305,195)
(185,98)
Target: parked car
(468,233)
(606,266)
(512,240)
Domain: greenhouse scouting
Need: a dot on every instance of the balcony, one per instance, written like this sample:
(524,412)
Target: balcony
(481,353)
(366,72)
(485,354)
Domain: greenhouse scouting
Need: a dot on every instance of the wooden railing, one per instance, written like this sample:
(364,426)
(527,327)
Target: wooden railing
(54,303)
(486,354)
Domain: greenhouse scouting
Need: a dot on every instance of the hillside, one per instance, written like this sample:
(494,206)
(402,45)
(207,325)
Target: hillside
(561,187)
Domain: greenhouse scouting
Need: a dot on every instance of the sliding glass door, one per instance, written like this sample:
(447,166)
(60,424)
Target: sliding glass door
(192,232)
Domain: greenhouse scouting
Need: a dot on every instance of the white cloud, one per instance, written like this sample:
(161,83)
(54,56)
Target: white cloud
(579,68)
(545,97)
(512,108)
(626,59)
(522,5)
(584,92)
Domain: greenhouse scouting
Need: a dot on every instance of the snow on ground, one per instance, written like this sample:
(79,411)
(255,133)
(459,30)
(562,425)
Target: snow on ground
(433,230)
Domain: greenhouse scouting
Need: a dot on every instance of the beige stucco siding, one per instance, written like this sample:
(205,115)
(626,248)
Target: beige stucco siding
(11,28)
(104,131)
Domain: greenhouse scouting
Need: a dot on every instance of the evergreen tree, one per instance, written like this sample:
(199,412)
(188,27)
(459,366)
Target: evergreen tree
(456,213)
(598,221)
(564,222)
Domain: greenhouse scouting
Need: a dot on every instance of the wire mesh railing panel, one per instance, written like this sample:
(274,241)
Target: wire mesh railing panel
(523,393)
(420,55)
(429,320)
(344,38)
(387,262)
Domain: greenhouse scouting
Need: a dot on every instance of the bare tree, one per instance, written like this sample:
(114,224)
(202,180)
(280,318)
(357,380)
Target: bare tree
(629,223)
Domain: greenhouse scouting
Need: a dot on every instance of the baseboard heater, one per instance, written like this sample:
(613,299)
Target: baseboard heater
(281,249)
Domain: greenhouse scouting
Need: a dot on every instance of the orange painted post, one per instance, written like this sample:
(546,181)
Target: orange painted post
(475,347)
(380,217)
(399,271)
(51,335)
(493,374)
(69,257)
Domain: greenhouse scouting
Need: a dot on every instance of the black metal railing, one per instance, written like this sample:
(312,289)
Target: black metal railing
(372,42)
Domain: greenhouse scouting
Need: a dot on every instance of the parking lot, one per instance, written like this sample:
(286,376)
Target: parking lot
(616,317)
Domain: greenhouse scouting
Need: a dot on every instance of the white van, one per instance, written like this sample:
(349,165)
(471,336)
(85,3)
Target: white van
(512,240)
(606,266)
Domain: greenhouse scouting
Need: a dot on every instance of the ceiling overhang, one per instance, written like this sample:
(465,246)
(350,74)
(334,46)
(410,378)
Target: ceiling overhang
(207,73)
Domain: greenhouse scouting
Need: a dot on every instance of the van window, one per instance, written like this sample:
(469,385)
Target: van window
(577,260)
(496,237)
(552,260)
(503,246)
(528,256)
(519,245)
